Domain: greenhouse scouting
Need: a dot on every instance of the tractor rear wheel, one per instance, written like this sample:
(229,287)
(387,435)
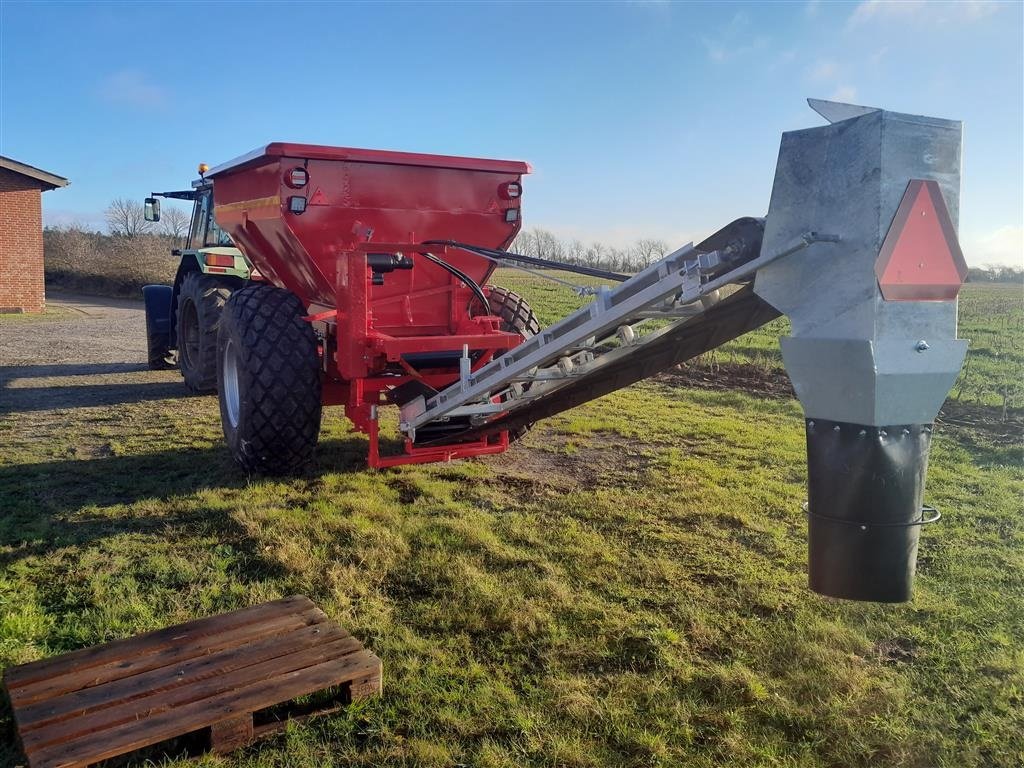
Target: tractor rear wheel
(201,301)
(268,375)
(516,317)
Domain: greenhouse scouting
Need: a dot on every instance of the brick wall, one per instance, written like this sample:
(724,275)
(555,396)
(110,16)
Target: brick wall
(21,244)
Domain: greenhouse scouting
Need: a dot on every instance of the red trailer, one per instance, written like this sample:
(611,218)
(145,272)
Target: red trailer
(375,292)
(356,307)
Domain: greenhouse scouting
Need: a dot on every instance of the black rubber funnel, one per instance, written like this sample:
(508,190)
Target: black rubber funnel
(865,488)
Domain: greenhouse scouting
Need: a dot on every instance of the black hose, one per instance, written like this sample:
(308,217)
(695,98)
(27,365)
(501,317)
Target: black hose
(509,256)
(463,277)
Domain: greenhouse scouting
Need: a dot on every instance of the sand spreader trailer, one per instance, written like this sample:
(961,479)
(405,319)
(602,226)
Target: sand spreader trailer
(376,292)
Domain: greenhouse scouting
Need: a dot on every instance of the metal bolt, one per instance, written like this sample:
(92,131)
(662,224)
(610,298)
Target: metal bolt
(906,431)
(862,433)
(835,428)
(921,346)
(882,432)
(810,425)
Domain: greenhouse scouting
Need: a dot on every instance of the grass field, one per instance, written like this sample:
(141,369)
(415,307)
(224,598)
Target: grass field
(624,588)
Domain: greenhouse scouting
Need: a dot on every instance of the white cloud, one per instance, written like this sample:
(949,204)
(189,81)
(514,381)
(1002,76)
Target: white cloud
(823,69)
(881,11)
(733,39)
(844,93)
(870,10)
(133,88)
(1004,247)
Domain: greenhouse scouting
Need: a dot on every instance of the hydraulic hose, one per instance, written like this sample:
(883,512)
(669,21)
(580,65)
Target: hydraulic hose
(509,256)
(462,277)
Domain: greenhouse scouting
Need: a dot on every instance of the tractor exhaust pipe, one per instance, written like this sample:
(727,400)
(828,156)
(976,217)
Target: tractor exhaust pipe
(873,351)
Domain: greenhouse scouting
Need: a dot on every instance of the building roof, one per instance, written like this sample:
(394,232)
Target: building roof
(45,178)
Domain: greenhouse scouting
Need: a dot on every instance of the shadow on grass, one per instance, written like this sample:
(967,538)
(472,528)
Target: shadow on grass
(9,372)
(39,501)
(92,395)
(28,399)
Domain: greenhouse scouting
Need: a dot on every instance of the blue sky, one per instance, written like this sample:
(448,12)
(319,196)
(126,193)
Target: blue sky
(644,119)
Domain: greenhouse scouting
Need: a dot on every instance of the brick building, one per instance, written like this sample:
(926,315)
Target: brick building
(21,235)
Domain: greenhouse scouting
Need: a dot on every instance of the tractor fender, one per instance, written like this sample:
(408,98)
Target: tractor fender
(157,299)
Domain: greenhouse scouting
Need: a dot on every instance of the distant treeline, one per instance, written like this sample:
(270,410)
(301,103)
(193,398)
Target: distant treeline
(108,265)
(120,264)
(995,274)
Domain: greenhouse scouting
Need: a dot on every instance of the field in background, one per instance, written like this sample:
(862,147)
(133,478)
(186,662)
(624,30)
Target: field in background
(991,317)
(625,588)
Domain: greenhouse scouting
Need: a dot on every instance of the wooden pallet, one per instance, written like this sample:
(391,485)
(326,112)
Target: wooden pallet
(208,675)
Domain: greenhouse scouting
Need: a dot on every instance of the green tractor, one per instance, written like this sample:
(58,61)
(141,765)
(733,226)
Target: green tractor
(182,320)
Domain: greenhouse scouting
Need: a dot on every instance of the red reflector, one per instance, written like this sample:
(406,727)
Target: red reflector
(920,259)
(219,260)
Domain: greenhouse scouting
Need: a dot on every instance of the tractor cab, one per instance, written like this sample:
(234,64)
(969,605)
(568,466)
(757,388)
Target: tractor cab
(182,319)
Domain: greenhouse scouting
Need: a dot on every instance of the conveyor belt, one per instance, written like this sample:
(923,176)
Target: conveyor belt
(732,317)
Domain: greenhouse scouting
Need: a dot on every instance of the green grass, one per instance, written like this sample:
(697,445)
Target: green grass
(627,588)
(991,318)
(51,312)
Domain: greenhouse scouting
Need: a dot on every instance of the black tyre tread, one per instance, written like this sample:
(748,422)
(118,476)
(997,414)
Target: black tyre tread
(158,348)
(516,317)
(516,314)
(210,295)
(279,380)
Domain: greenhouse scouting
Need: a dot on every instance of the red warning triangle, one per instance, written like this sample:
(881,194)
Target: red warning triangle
(318,198)
(920,259)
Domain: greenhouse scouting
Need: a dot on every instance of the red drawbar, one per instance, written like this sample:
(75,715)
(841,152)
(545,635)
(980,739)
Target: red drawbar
(920,259)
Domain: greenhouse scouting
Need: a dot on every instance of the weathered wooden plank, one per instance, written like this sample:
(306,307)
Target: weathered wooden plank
(96,724)
(367,686)
(229,735)
(133,664)
(204,712)
(82,702)
(25,674)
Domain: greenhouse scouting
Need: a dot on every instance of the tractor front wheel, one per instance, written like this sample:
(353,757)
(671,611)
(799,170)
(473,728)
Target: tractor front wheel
(201,300)
(268,376)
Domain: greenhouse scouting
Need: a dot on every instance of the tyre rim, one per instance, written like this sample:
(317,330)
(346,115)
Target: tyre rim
(229,387)
(190,326)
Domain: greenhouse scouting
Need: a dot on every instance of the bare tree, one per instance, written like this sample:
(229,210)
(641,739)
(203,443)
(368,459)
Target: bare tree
(574,251)
(648,251)
(127,218)
(174,223)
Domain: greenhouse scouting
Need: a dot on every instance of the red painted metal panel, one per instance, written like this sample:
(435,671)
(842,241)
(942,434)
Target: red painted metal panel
(920,259)
(354,197)
(356,202)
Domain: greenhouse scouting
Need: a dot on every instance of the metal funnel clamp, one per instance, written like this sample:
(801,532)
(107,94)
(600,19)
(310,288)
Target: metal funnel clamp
(873,350)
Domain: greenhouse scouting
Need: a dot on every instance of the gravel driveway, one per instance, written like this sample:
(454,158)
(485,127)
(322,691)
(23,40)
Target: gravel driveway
(91,353)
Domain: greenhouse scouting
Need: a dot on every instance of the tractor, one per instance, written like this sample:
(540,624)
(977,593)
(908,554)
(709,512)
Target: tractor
(182,320)
(374,290)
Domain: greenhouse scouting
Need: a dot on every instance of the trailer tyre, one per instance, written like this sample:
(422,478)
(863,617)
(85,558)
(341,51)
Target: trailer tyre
(201,301)
(516,317)
(515,312)
(268,375)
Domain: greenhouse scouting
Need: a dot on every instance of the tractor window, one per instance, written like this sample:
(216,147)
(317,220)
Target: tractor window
(197,231)
(214,234)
